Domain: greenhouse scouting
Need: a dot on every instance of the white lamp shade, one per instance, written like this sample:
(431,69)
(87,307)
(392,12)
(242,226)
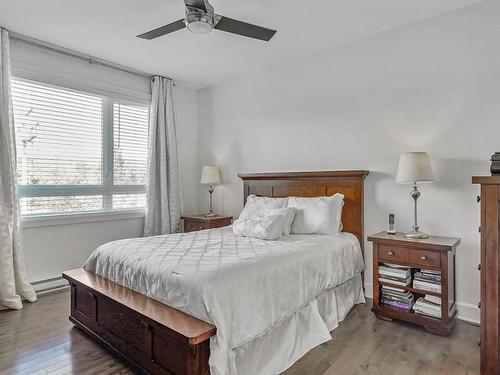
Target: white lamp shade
(414,167)
(210,175)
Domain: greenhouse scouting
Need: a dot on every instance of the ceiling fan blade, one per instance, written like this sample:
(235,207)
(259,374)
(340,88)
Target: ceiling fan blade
(246,29)
(162,30)
(200,4)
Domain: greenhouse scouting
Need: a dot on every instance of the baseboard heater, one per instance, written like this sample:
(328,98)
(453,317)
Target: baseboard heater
(50,285)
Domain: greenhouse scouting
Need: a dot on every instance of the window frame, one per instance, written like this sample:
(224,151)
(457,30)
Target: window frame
(107,189)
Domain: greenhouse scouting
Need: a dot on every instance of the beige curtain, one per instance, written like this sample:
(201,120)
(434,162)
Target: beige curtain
(163,206)
(13,284)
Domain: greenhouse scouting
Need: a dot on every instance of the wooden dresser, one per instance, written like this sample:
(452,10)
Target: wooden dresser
(433,253)
(490,273)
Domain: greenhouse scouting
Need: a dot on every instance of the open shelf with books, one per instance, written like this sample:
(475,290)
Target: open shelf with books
(414,280)
(413,290)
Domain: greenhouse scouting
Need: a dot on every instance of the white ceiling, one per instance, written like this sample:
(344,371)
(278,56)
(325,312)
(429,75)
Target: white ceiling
(107,29)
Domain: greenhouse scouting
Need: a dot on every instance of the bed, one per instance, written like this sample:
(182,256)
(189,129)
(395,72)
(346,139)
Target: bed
(211,302)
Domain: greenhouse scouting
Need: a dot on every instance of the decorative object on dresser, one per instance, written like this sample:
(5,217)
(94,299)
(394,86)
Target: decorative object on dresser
(199,222)
(490,273)
(414,280)
(415,167)
(495,163)
(210,176)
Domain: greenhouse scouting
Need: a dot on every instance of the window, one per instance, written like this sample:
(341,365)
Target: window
(78,151)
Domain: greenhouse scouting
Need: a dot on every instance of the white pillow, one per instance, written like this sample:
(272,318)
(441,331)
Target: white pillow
(260,206)
(318,215)
(289,215)
(268,227)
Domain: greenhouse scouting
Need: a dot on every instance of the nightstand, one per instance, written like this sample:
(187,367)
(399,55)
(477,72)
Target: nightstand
(199,222)
(433,254)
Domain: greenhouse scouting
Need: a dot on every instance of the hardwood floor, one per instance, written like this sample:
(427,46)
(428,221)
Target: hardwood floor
(40,340)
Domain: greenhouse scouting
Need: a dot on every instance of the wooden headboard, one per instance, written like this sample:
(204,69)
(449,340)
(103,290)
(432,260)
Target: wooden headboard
(314,184)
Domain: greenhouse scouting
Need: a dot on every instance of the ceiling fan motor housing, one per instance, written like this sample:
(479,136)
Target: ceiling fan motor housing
(198,21)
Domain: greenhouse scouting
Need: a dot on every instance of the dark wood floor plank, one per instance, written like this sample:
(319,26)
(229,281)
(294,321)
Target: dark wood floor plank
(40,340)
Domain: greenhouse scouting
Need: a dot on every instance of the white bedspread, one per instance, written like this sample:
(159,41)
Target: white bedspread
(244,286)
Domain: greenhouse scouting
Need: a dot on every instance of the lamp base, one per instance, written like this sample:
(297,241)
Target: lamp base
(416,235)
(210,214)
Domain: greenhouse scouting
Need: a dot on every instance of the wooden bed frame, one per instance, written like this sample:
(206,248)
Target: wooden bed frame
(157,339)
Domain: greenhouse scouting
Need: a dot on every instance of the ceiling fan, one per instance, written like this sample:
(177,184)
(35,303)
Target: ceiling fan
(201,19)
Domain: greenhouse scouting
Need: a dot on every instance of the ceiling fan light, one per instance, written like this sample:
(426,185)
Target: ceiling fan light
(199,27)
(198,22)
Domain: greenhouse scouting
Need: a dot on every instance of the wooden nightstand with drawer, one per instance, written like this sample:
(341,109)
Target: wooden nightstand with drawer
(193,223)
(431,254)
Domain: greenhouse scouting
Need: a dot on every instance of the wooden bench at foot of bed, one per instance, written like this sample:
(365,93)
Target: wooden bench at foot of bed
(151,336)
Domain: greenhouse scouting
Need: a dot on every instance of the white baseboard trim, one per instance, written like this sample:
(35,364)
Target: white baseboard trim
(466,311)
(368,290)
(469,313)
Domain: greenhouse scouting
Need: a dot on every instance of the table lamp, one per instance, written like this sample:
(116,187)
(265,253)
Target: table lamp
(210,176)
(414,167)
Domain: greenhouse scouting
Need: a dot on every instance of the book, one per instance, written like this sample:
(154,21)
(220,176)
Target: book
(394,274)
(394,293)
(433,282)
(426,308)
(431,272)
(397,294)
(427,312)
(424,276)
(425,304)
(395,282)
(392,277)
(397,266)
(399,299)
(427,286)
(395,278)
(434,299)
(393,288)
(399,305)
(394,271)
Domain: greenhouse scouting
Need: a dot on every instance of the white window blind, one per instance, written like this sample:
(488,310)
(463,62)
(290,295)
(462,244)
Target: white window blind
(130,130)
(78,151)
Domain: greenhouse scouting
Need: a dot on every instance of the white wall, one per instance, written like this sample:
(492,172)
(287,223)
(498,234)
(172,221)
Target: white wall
(432,86)
(51,249)
(53,246)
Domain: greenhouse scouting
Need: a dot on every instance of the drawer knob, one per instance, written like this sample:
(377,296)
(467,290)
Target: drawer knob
(478,342)
(479,305)
(479,267)
(478,199)
(423,257)
(479,229)
(390,253)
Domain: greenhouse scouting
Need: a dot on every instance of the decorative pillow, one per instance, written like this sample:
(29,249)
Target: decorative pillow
(289,215)
(268,227)
(260,206)
(318,215)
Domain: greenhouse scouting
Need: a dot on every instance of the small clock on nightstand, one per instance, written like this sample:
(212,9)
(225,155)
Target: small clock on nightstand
(193,223)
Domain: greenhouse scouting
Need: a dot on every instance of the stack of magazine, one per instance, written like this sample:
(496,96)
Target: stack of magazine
(397,297)
(429,280)
(428,305)
(394,274)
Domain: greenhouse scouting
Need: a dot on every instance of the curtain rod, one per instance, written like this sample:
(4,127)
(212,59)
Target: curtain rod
(82,56)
